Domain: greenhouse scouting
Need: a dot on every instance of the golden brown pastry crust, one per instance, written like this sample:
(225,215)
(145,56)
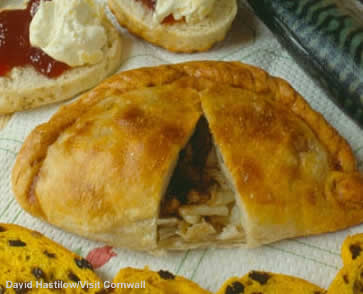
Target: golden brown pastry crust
(248,128)
(192,77)
(113,161)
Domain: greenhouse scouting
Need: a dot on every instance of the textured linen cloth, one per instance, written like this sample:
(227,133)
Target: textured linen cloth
(316,259)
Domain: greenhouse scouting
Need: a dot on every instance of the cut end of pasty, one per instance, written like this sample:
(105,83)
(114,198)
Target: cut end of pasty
(199,207)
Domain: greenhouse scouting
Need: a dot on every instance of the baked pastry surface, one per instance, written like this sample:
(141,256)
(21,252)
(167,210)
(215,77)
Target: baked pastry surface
(27,256)
(190,155)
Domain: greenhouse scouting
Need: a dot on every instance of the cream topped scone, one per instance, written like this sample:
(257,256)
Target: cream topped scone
(180,26)
(67,47)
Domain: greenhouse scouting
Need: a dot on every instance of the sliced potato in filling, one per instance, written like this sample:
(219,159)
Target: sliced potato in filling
(199,205)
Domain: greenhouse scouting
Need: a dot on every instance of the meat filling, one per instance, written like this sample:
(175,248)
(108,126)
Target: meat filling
(199,204)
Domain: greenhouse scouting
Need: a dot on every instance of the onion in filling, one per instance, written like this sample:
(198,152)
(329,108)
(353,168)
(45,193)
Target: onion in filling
(199,205)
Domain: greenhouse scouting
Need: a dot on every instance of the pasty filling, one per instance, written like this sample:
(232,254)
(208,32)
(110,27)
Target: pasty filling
(199,204)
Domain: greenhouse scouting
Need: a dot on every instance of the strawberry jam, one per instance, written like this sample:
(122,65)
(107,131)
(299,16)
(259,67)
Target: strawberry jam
(15,48)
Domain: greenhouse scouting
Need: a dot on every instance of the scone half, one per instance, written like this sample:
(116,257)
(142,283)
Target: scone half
(25,88)
(179,36)
(200,154)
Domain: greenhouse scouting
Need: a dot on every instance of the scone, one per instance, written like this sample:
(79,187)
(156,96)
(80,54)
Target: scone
(150,282)
(352,249)
(179,26)
(28,257)
(200,154)
(41,64)
(268,283)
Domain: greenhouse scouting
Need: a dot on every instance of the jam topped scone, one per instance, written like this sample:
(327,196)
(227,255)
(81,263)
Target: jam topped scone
(51,50)
(180,26)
